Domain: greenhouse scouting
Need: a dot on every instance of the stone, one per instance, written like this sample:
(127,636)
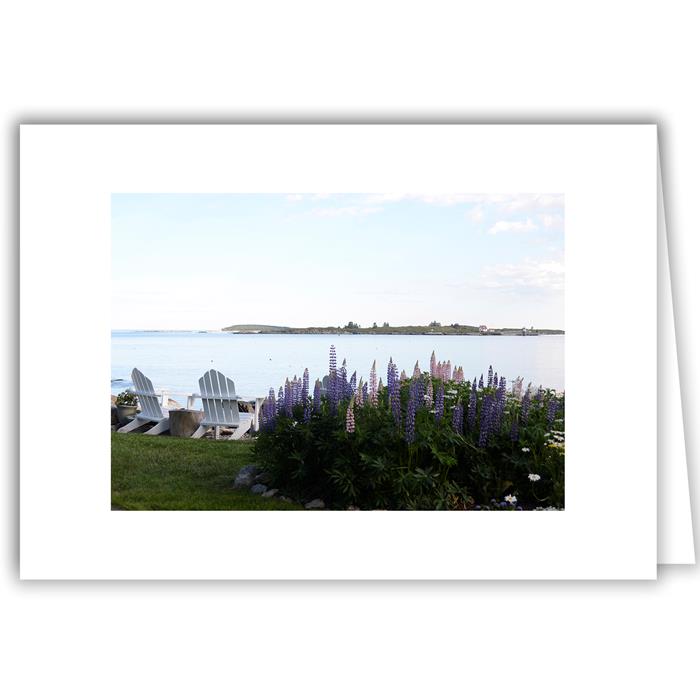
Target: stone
(316,504)
(115,417)
(258,489)
(263,478)
(270,493)
(286,499)
(184,422)
(245,477)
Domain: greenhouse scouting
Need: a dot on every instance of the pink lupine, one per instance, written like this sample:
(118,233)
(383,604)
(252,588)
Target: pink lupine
(416,371)
(350,417)
(359,398)
(403,376)
(448,371)
(433,365)
(373,384)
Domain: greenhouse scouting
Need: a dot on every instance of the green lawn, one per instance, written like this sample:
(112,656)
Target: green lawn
(166,473)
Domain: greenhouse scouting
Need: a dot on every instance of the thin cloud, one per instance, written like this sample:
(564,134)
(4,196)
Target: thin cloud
(542,275)
(334,212)
(513,227)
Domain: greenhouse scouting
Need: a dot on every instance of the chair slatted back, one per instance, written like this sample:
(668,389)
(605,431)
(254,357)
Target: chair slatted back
(148,399)
(219,399)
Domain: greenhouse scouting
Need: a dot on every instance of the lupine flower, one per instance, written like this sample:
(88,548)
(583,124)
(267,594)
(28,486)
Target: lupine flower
(485,419)
(471,410)
(439,402)
(396,402)
(500,403)
(305,386)
(365,393)
(288,399)
(551,411)
(438,370)
(359,396)
(525,406)
(403,376)
(433,365)
(481,382)
(458,418)
(534,477)
(390,374)
(490,375)
(495,379)
(416,371)
(514,429)
(429,394)
(333,389)
(373,384)
(269,411)
(353,382)
(280,401)
(517,387)
(317,396)
(380,387)
(448,371)
(343,380)
(350,417)
(410,434)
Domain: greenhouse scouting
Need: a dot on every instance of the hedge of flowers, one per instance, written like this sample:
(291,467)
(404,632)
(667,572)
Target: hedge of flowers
(429,441)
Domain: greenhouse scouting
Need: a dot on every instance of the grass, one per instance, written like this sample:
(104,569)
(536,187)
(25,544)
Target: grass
(167,473)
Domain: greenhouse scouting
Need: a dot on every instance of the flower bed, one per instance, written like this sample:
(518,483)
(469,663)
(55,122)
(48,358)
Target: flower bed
(429,441)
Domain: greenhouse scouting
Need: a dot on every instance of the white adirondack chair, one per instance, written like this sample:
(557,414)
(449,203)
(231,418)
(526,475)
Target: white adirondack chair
(220,405)
(151,408)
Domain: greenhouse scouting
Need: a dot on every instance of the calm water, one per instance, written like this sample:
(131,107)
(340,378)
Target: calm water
(176,360)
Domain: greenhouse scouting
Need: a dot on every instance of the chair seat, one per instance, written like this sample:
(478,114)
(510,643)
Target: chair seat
(242,418)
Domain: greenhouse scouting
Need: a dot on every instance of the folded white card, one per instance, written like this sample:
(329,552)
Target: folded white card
(608,176)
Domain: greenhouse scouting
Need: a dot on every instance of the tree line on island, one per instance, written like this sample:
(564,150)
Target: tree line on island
(433,328)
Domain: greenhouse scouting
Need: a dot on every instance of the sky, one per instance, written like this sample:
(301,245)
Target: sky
(205,261)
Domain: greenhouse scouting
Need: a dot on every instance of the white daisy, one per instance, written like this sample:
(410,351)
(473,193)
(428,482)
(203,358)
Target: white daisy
(534,477)
(512,500)
(526,449)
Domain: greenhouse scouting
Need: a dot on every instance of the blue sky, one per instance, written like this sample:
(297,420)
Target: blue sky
(200,261)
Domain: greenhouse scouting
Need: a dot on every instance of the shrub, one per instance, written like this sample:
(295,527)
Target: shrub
(427,442)
(126,398)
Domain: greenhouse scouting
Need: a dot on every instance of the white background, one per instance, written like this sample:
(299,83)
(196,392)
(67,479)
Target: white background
(67,176)
(498,61)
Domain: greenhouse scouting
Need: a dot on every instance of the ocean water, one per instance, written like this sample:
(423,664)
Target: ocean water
(175,360)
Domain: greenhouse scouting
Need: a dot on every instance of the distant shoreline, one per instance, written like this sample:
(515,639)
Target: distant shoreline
(456,329)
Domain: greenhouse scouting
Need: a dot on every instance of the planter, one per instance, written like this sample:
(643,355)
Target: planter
(125,414)
(183,421)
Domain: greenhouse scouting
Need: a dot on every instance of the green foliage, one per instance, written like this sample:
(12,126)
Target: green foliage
(126,398)
(374,467)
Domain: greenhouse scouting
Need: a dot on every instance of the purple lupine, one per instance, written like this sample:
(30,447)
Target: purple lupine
(350,417)
(494,384)
(353,382)
(269,411)
(416,390)
(305,387)
(365,393)
(525,405)
(373,384)
(552,407)
(439,402)
(395,397)
(280,402)
(485,419)
(410,434)
(471,411)
(500,402)
(359,394)
(481,382)
(490,377)
(317,396)
(514,428)
(288,400)
(390,374)
(458,418)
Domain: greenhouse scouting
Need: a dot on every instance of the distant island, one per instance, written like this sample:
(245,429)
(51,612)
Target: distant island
(433,328)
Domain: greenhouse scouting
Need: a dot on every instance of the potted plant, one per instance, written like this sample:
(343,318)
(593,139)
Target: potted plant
(127,407)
